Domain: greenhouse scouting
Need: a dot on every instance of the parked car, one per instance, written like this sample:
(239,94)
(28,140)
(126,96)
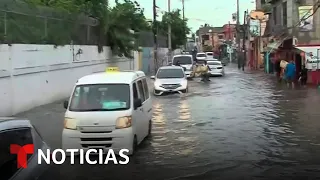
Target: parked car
(20,132)
(209,54)
(201,56)
(216,68)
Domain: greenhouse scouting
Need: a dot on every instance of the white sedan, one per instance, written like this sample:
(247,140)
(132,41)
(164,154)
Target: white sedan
(216,68)
(170,79)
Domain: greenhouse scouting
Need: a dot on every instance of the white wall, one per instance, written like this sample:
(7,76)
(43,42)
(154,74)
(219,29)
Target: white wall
(34,75)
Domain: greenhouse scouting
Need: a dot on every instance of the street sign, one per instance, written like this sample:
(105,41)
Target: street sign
(229,50)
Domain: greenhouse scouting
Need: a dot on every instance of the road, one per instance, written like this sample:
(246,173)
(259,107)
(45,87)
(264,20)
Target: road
(241,126)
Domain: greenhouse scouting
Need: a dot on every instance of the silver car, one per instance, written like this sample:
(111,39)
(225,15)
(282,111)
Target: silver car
(20,132)
(170,79)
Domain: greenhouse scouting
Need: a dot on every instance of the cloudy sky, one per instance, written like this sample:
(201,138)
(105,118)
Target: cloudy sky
(199,12)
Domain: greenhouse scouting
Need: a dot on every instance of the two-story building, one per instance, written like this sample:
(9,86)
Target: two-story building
(210,37)
(294,26)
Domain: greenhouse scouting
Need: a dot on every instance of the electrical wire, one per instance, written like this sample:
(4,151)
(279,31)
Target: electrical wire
(315,8)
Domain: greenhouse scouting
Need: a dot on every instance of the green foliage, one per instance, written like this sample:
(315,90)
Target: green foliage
(122,18)
(179,28)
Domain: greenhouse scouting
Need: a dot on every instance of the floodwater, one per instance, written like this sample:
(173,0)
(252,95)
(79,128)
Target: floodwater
(241,126)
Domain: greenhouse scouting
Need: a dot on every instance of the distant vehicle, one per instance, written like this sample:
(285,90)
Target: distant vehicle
(209,54)
(21,132)
(170,79)
(216,68)
(185,61)
(201,56)
(108,110)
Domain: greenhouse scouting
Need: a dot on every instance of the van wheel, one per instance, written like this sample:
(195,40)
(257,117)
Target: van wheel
(134,145)
(149,128)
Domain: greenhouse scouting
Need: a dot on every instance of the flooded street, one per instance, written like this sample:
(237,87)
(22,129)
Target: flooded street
(241,126)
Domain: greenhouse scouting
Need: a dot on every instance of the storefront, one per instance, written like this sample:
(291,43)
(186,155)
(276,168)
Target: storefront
(311,59)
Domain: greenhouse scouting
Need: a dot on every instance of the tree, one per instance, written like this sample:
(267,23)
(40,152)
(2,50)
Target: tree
(114,23)
(179,28)
(122,18)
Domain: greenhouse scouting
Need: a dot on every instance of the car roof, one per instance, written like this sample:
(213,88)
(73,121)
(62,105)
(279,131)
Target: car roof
(121,77)
(179,55)
(201,53)
(171,67)
(7,123)
(209,52)
(214,61)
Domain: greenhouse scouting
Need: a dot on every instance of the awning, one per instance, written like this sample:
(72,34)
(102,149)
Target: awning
(272,46)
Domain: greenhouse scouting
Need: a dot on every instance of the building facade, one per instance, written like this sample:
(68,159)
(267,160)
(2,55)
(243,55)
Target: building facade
(295,28)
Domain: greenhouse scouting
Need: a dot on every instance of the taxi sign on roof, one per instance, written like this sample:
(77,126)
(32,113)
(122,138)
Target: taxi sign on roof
(112,69)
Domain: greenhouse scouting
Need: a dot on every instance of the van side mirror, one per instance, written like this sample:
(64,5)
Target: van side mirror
(152,77)
(137,103)
(65,104)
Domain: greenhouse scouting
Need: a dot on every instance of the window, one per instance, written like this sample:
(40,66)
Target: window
(182,60)
(220,36)
(8,161)
(201,55)
(170,73)
(145,87)
(141,92)
(284,14)
(100,97)
(274,15)
(135,91)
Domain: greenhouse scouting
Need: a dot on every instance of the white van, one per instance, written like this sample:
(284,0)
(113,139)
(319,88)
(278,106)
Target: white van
(186,61)
(108,110)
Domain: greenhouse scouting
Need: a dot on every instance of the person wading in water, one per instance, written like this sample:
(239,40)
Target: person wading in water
(290,73)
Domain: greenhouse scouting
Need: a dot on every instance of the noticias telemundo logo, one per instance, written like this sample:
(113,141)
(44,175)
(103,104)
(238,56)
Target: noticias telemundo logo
(59,156)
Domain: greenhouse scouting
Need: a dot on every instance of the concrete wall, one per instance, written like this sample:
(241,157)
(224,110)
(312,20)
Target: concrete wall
(34,75)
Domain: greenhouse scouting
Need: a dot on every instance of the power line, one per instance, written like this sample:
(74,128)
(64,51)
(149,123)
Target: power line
(315,6)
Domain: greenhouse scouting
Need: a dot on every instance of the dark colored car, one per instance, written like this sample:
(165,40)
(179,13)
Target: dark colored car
(20,132)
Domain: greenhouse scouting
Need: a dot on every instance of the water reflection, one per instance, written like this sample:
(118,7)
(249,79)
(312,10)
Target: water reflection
(184,111)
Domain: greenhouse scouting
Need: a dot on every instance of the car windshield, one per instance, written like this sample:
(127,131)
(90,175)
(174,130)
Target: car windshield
(209,54)
(182,60)
(214,63)
(100,97)
(170,73)
(201,55)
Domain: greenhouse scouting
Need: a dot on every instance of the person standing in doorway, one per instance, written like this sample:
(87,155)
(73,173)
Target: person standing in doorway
(303,76)
(278,70)
(290,73)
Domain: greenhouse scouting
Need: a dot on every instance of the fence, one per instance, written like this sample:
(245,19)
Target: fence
(28,24)
(146,40)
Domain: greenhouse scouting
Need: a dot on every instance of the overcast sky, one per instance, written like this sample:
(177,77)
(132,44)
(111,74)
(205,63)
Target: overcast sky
(199,12)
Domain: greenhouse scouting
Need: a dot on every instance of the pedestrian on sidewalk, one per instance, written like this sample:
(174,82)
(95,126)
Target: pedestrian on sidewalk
(303,76)
(290,73)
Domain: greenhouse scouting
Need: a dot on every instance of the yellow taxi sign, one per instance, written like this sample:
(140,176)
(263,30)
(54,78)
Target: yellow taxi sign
(112,69)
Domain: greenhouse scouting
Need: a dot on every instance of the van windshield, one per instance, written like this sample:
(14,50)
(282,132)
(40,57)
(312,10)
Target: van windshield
(183,60)
(100,97)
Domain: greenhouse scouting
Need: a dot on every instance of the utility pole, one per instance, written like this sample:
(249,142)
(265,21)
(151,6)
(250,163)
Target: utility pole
(155,39)
(169,29)
(183,18)
(238,35)
(244,40)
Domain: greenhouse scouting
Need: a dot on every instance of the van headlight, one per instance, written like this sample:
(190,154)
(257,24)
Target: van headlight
(70,123)
(184,83)
(157,84)
(124,122)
